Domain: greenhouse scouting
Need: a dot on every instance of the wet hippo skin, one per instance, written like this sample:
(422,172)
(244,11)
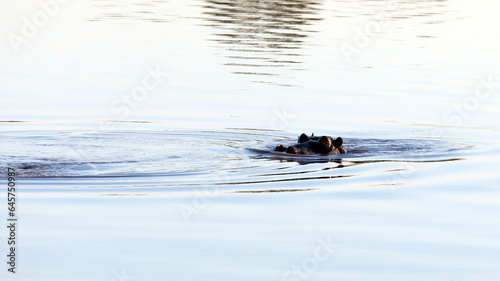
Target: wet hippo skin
(314,145)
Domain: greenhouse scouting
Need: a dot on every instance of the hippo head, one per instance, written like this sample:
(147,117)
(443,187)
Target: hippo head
(314,144)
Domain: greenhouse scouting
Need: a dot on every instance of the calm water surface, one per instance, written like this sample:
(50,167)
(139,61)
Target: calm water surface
(141,132)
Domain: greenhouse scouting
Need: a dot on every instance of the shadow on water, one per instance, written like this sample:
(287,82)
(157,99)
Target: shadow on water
(260,38)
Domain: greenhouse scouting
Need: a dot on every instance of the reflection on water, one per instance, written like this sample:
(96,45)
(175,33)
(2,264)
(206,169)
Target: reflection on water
(259,36)
(131,11)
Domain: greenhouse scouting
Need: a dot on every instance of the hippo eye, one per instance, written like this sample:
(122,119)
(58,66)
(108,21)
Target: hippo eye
(325,142)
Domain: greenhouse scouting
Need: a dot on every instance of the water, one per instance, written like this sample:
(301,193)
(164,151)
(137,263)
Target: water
(142,135)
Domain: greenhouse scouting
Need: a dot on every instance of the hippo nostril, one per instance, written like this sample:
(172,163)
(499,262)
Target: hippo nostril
(291,149)
(280,148)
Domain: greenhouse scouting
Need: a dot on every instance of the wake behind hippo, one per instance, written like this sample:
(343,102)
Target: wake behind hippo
(314,145)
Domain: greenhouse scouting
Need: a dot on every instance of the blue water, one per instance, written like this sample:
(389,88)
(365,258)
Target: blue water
(142,137)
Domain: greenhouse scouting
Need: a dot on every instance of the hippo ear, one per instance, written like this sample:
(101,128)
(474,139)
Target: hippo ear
(303,138)
(325,143)
(338,142)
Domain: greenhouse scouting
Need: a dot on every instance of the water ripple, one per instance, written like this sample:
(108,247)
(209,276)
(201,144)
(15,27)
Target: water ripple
(233,160)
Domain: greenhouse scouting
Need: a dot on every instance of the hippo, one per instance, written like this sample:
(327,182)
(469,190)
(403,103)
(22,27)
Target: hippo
(314,145)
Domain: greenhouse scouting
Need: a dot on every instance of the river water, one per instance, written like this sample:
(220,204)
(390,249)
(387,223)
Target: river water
(142,133)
